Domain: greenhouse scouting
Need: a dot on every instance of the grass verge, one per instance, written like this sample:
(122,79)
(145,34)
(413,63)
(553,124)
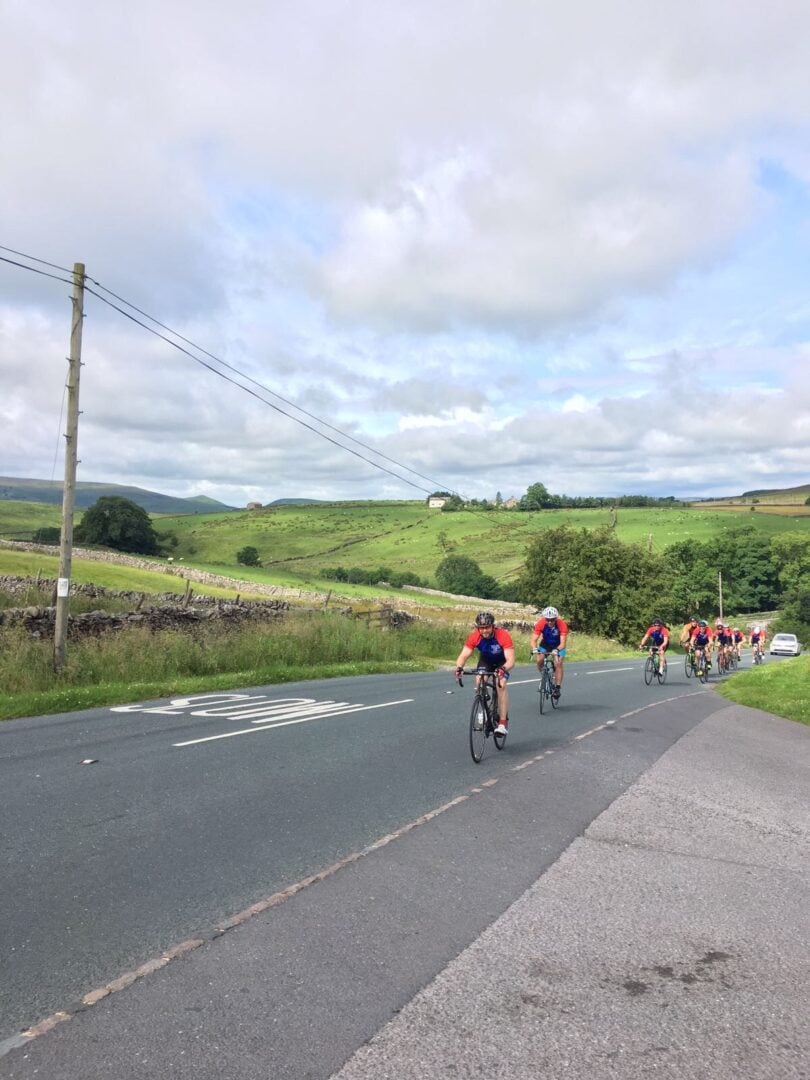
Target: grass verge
(782,688)
(137,665)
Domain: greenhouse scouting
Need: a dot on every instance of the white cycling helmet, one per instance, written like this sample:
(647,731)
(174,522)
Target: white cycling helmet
(550,613)
(756,629)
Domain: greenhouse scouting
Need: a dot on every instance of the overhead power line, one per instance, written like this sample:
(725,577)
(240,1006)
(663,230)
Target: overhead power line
(33,269)
(236,371)
(261,386)
(253,393)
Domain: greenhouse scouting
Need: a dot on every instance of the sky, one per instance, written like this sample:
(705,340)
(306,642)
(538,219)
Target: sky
(488,243)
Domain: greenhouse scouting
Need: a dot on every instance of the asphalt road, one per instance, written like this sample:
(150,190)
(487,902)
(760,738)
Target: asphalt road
(127,831)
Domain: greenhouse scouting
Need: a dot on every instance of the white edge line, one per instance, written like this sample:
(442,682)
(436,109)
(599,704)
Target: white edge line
(287,723)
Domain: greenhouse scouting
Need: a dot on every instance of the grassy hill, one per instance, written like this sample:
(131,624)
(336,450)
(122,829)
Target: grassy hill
(50,491)
(296,542)
(299,541)
(786,502)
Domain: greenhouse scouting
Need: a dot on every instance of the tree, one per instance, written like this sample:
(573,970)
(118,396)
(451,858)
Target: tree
(536,497)
(462,575)
(599,584)
(455,502)
(47,534)
(248,556)
(119,524)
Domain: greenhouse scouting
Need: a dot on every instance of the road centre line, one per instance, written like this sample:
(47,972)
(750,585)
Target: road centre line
(608,671)
(280,897)
(287,723)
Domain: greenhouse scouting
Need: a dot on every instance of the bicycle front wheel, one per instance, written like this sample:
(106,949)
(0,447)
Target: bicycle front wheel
(479,722)
(687,665)
(649,670)
(543,692)
(662,673)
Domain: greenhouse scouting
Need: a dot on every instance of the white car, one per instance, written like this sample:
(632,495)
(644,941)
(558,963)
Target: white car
(786,644)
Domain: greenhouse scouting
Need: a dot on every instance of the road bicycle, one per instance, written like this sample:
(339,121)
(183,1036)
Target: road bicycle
(758,657)
(689,663)
(652,667)
(484,712)
(548,684)
(723,665)
(701,661)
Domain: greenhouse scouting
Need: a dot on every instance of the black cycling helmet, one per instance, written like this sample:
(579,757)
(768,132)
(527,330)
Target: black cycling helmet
(657,622)
(694,618)
(484,618)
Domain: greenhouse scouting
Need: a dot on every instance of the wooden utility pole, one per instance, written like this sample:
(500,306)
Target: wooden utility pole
(71,459)
(720,589)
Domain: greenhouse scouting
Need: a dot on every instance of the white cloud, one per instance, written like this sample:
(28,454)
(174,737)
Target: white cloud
(420,222)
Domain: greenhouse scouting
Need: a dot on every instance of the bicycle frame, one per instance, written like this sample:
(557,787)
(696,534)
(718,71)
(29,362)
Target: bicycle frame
(484,713)
(547,682)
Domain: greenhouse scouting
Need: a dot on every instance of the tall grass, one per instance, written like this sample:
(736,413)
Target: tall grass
(136,662)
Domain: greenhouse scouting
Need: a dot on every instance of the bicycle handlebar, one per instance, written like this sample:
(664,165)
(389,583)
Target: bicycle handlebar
(475,671)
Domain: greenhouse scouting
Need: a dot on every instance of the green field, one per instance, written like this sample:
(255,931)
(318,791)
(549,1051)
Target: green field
(19,519)
(300,541)
(296,542)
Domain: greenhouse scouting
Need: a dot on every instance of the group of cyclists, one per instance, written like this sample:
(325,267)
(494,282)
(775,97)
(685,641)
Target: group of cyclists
(496,649)
(724,640)
(496,652)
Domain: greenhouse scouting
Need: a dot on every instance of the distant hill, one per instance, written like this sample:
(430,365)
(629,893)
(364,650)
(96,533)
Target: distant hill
(802,489)
(50,491)
(293,502)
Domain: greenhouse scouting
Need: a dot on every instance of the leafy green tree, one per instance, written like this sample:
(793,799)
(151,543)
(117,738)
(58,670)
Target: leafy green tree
(790,555)
(598,584)
(536,497)
(462,575)
(47,534)
(120,524)
(455,502)
(695,578)
(248,556)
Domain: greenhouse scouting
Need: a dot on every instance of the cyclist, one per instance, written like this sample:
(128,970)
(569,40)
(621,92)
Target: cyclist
(758,640)
(549,636)
(738,638)
(658,635)
(685,640)
(702,641)
(722,637)
(496,652)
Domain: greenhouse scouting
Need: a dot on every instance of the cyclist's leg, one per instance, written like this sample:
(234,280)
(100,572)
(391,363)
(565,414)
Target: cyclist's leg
(503,701)
(558,672)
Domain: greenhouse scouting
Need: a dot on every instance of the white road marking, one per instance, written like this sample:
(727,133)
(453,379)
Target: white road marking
(608,671)
(297,720)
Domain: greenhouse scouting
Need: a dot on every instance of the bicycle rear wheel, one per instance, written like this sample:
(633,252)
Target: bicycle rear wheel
(479,724)
(649,670)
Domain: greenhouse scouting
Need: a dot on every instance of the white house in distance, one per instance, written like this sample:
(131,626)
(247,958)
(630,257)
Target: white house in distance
(436,502)
(254,506)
